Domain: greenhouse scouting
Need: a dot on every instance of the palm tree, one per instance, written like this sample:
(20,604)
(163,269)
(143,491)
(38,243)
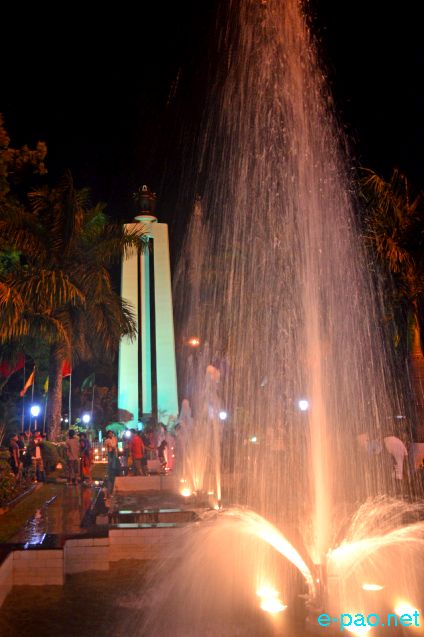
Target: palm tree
(395,230)
(62,290)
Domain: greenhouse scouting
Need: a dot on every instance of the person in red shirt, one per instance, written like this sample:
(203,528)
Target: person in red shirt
(137,451)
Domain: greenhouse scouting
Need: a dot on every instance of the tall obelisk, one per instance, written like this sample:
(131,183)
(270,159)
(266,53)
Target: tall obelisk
(147,376)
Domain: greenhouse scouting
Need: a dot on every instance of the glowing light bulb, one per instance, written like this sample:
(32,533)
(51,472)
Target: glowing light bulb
(403,607)
(270,601)
(372,587)
(358,630)
(186,493)
(272,605)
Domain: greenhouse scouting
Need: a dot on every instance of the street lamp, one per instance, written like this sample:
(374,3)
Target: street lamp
(35,412)
(86,419)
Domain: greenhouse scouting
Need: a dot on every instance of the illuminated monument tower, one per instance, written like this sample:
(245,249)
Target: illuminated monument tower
(147,377)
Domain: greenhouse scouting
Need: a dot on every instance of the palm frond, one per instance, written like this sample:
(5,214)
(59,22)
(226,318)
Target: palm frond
(115,243)
(52,288)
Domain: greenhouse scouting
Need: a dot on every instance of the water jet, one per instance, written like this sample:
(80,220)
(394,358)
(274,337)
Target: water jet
(275,281)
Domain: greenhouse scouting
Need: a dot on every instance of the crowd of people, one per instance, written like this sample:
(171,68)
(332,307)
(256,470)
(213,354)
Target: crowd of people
(138,448)
(27,462)
(131,457)
(25,456)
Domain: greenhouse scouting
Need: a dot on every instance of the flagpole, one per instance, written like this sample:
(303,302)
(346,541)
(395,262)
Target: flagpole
(45,412)
(32,397)
(70,401)
(23,406)
(92,398)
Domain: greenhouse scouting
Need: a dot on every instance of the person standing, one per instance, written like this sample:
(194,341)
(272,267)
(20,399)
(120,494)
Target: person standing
(163,455)
(137,452)
(396,448)
(111,446)
(86,458)
(35,447)
(24,456)
(73,455)
(14,455)
(145,439)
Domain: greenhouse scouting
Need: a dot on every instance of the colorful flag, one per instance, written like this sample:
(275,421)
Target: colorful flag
(88,382)
(28,383)
(7,368)
(66,369)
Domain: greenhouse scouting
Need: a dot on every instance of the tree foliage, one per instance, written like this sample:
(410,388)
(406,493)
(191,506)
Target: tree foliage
(60,290)
(395,231)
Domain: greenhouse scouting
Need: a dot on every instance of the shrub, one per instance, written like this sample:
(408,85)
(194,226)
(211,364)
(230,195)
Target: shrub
(61,452)
(4,460)
(9,488)
(50,456)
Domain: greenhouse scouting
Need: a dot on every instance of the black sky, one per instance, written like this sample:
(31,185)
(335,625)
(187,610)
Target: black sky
(114,92)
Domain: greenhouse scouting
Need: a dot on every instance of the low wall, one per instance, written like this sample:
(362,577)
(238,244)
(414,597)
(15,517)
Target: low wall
(86,554)
(142,544)
(125,484)
(42,567)
(38,568)
(6,577)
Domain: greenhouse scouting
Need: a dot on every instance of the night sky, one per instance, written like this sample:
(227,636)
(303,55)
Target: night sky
(115,95)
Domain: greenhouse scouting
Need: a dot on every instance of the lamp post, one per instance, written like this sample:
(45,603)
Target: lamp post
(35,412)
(86,419)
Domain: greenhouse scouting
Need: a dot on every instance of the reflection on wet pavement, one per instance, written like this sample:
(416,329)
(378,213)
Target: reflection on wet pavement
(60,515)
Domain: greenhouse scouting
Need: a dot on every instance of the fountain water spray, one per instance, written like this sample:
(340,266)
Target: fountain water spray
(275,282)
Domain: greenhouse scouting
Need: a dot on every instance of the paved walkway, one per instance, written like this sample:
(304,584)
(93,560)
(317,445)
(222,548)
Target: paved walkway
(52,510)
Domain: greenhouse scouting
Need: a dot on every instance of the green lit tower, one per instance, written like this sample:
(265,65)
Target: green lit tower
(147,376)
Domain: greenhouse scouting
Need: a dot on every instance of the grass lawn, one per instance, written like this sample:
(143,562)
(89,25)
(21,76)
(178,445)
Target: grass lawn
(17,516)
